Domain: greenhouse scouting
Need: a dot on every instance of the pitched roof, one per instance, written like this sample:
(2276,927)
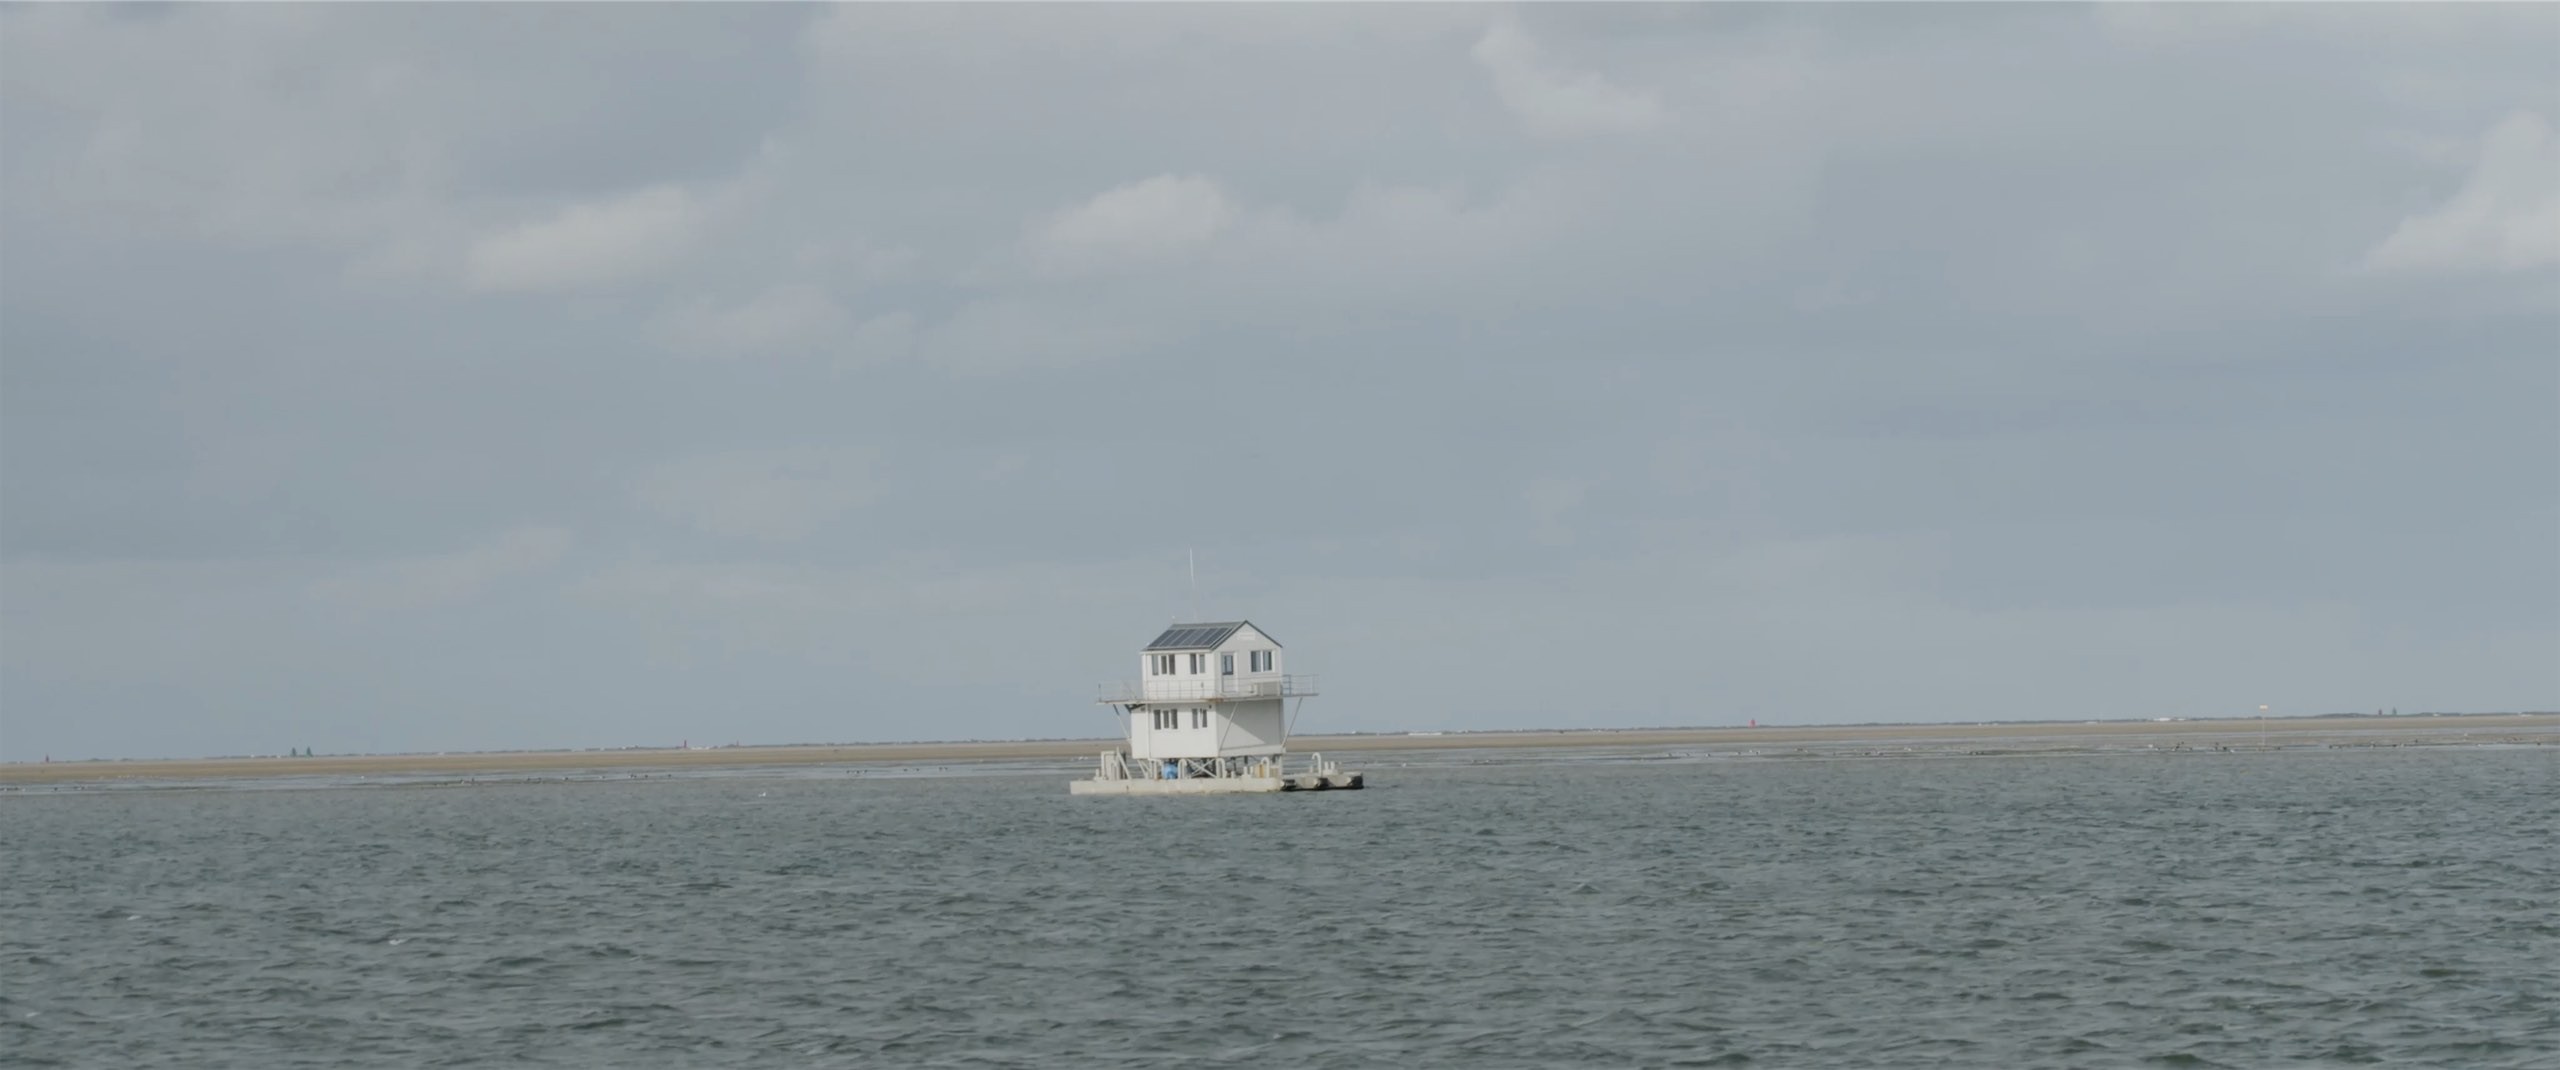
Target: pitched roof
(1200,636)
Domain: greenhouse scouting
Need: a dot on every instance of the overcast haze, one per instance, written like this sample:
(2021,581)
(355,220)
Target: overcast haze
(392,378)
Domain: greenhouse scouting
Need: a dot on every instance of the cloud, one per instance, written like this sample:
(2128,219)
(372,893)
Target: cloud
(1150,263)
(1557,103)
(356,135)
(884,339)
(1014,334)
(1391,244)
(446,579)
(860,260)
(1385,246)
(876,36)
(1552,501)
(1145,221)
(910,617)
(2506,217)
(773,496)
(789,318)
(972,280)
(2165,24)
(588,243)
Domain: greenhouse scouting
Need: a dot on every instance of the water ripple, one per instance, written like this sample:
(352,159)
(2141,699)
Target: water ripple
(2198,910)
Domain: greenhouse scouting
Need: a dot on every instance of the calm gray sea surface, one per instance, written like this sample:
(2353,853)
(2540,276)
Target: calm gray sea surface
(2310,908)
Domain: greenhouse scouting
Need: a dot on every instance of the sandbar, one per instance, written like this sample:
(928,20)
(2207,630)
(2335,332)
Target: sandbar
(2233,733)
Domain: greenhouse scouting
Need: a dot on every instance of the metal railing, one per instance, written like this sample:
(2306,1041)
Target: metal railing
(1115,765)
(1218,689)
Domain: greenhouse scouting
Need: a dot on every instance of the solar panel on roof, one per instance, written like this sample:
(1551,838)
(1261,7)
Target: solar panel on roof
(1194,636)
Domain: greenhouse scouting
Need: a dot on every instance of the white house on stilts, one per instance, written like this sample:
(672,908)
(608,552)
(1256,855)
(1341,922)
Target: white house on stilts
(1209,713)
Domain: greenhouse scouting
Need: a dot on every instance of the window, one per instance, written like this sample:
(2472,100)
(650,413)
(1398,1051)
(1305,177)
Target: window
(1163,665)
(1199,664)
(1261,660)
(1226,664)
(1199,717)
(1168,719)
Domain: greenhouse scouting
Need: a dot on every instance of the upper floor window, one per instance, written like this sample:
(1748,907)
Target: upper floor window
(1261,660)
(1163,665)
(1199,664)
(1226,664)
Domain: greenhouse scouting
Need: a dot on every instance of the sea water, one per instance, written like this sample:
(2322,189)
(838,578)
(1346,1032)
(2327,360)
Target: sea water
(2298,908)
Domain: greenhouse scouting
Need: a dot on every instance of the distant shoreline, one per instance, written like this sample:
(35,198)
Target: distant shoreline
(2227,732)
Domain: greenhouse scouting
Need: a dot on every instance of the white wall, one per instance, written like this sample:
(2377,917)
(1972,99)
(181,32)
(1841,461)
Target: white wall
(1247,639)
(1182,741)
(1236,730)
(1254,728)
(1183,684)
(1142,724)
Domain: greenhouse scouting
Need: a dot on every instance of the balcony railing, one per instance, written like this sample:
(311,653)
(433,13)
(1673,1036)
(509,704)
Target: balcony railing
(1218,689)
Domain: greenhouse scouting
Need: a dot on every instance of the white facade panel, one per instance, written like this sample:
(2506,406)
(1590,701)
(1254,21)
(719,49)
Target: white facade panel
(1253,728)
(1188,738)
(1242,647)
(1173,676)
(1234,730)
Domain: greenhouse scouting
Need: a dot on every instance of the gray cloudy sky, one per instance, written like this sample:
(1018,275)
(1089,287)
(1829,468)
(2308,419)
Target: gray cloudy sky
(387,378)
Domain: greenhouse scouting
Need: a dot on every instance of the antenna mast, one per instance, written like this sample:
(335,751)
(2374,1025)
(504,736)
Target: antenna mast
(1194,558)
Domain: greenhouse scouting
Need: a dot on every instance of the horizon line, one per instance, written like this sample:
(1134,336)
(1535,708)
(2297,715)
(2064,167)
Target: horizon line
(685,745)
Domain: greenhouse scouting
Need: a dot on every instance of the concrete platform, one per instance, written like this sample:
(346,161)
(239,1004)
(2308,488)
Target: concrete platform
(1242,785)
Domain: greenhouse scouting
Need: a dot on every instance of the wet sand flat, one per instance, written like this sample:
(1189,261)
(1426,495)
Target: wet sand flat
(2480,728)
(2542,728)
